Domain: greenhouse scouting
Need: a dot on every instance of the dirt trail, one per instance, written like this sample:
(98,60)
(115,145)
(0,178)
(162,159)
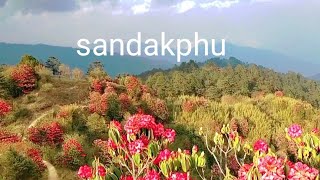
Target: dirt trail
(52,172)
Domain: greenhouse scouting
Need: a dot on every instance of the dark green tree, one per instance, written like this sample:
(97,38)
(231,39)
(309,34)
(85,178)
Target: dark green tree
(53,64)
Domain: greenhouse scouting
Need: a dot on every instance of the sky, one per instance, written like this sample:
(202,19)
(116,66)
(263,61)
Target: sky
(290,27)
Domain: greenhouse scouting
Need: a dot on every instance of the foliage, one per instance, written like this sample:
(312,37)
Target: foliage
(17,166)
(5,108)
(25,78)
(51,134)
(73,154)
(213,82)
(53,64)
(29,61)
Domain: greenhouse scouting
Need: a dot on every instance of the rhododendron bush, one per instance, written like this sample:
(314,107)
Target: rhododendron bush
(25,78)
(139,150)
(264,164)
(5,107)
(51,134)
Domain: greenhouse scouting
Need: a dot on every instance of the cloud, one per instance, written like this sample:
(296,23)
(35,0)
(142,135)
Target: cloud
(218,4)
(185,6)
(142,8)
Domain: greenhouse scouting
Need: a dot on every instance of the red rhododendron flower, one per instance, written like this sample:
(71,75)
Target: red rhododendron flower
(152,175)
(158,130)
(116,125)
(271,168)
(261,146)
(295,131)
(302,171)
(126,178)
(85,172)
(169,134)
(111,144)
(4,107)
(101,171)
(179,176)
(163,155)
(139,121)
(243,171)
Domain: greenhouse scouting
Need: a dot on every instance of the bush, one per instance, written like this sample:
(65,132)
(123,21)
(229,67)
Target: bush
(25,78)
(5,108)
(73,154)
(51,134)
(16,166)
(22,113)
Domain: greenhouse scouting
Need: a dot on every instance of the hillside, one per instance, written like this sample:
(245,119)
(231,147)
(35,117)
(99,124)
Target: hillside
(190,115)
(215,80)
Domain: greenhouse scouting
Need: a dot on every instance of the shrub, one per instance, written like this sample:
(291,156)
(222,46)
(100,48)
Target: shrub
(25,78)
(5,108)
(73,154)
(36,156)
(7,137)
(22,113)
(18,166)
(51,134)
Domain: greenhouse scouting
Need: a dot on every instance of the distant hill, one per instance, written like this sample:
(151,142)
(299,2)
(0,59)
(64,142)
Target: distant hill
(277,61)
(11,54)
(315,77)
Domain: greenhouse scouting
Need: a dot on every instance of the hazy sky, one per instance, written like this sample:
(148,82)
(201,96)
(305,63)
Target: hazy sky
(291,27)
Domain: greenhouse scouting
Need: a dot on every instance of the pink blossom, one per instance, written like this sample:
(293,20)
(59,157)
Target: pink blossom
(244,171)
(152,175)
(136,146)
(85,172)
(169,134)
(101,171)
(302,171)
(179,176)
(271,168)
(295,131)
(261,146)
(162,156)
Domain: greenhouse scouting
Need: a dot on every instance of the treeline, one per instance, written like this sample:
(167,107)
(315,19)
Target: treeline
(218,77)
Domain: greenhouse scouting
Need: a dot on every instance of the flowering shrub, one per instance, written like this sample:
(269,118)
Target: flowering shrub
(308,144)
(5,108)
(139,151)
(265,165)
(191,105)
(25,77)
(51,134)
(98,103)
(133,86)
(73,154)
(36,156)
(6,137)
